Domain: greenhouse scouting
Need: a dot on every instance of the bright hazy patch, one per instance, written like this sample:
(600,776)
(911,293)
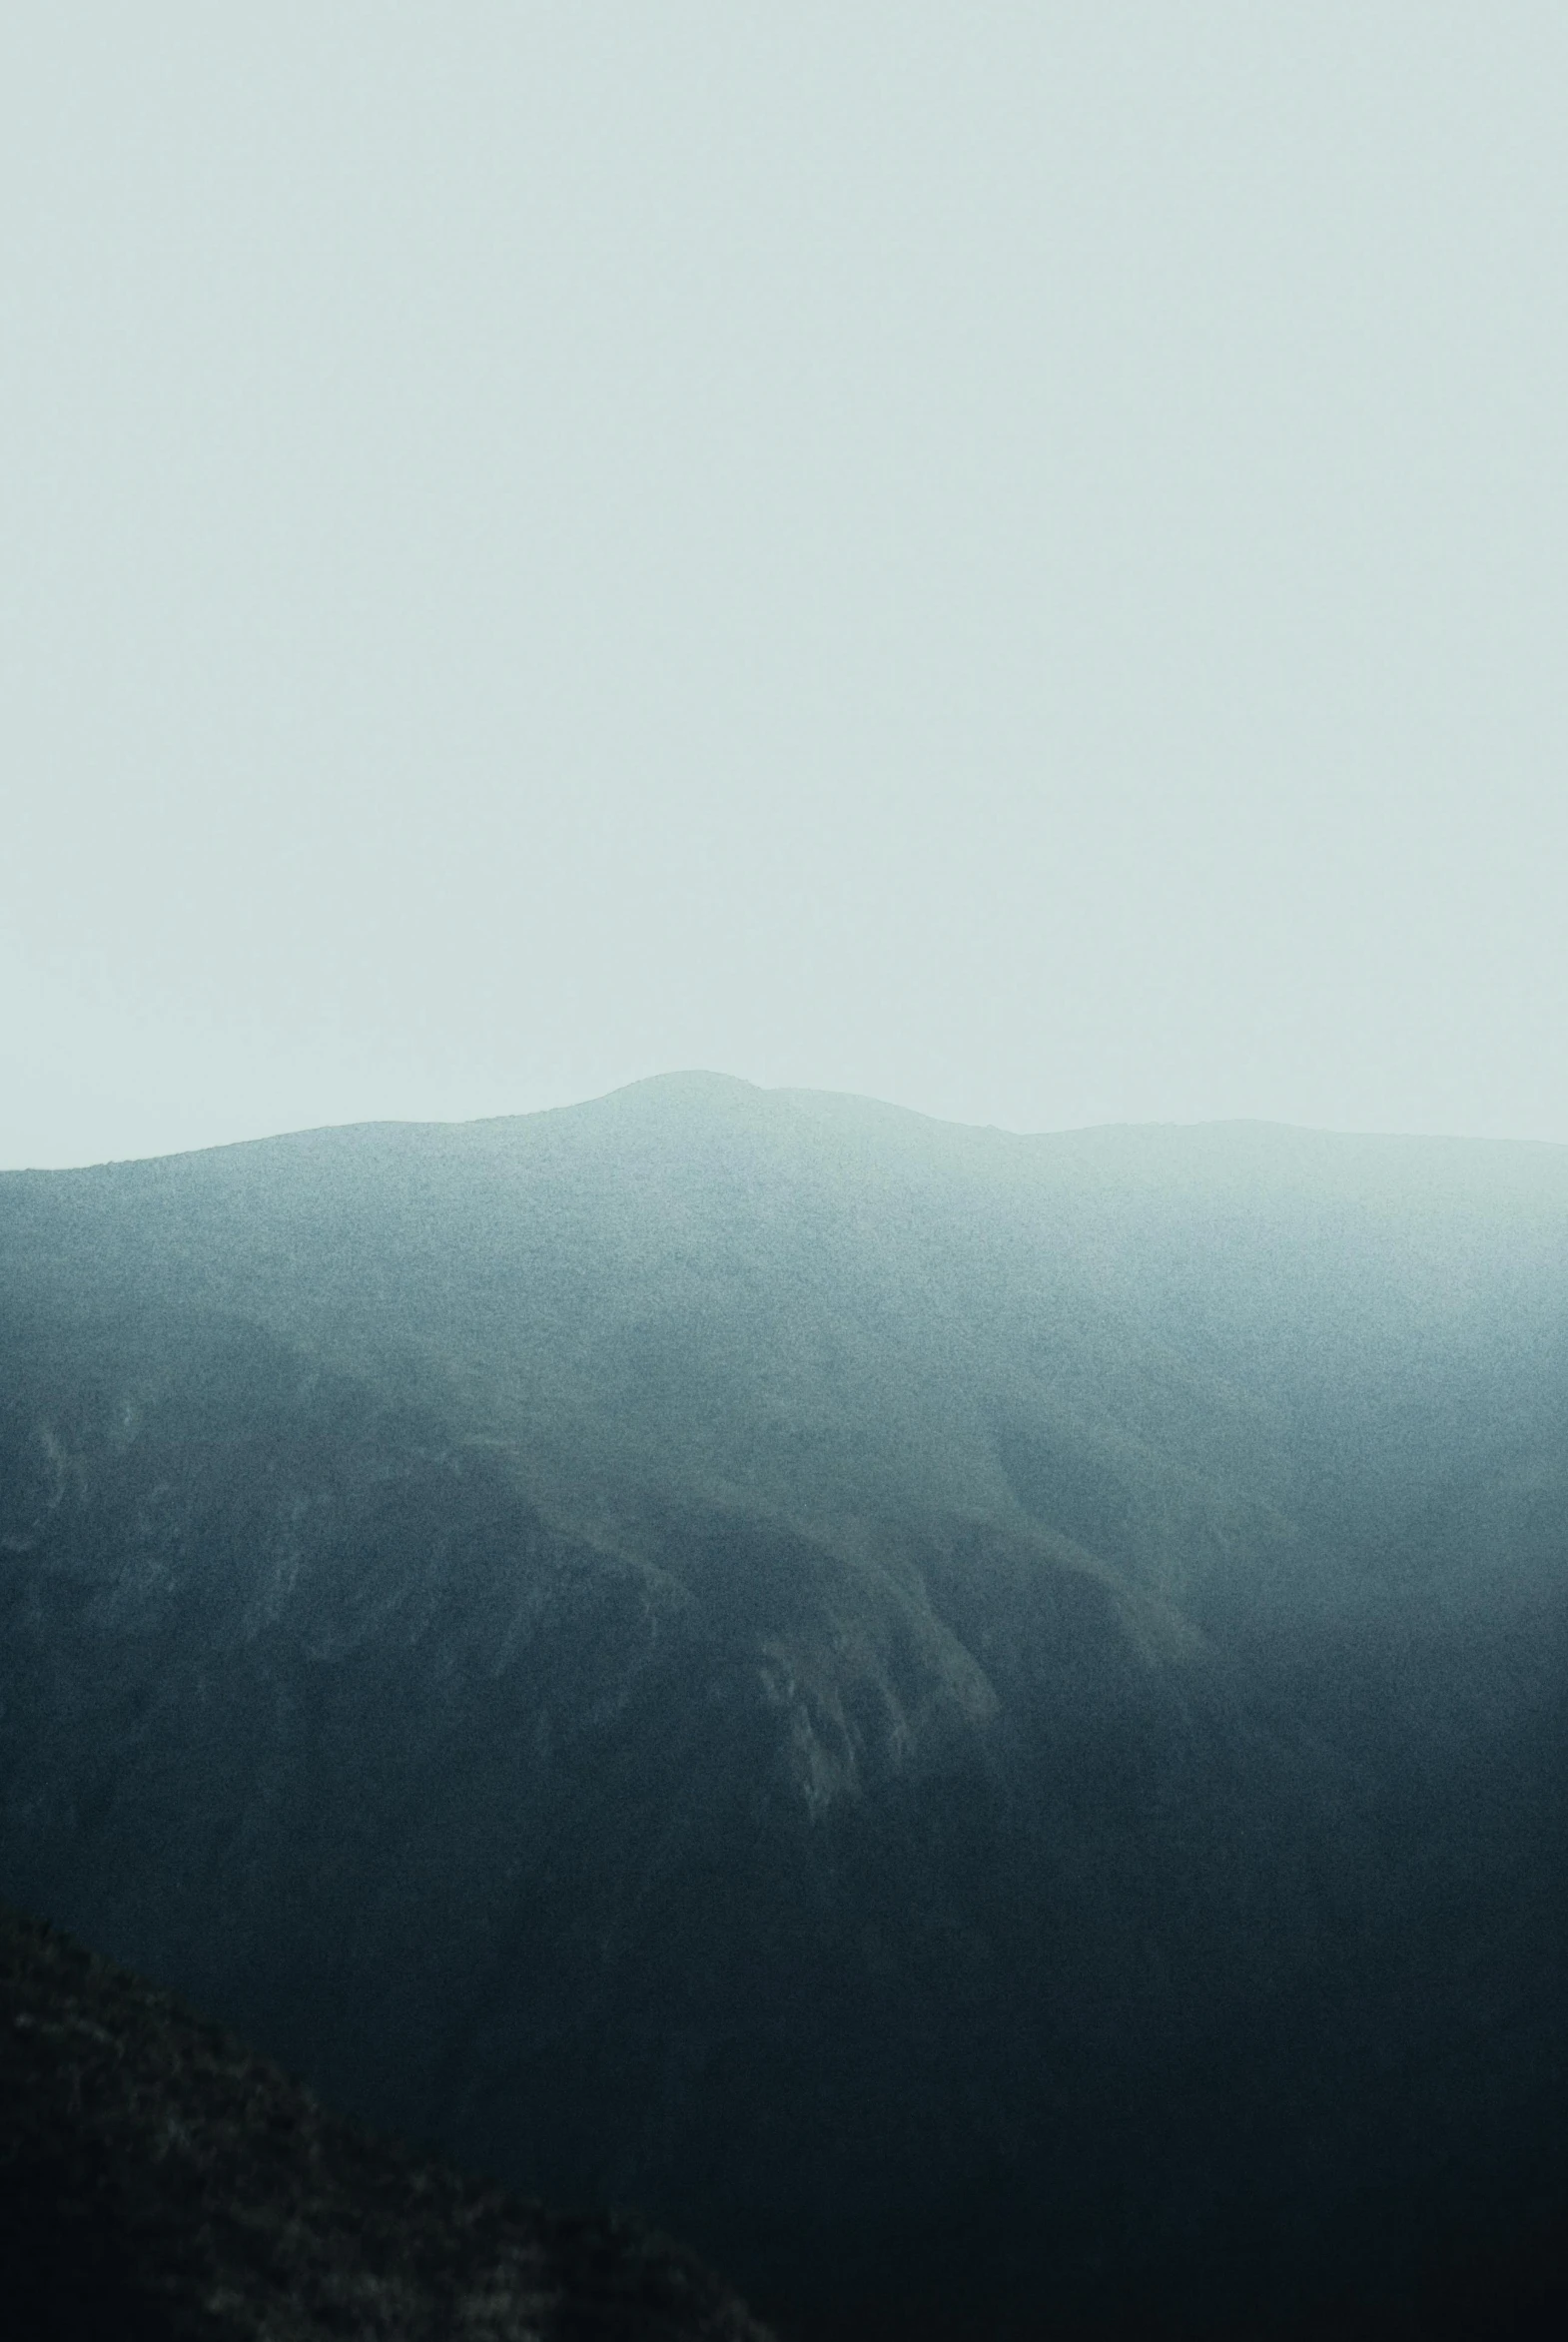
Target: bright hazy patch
(1012,561)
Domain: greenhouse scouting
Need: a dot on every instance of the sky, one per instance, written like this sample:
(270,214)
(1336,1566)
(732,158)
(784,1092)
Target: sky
(1012,558)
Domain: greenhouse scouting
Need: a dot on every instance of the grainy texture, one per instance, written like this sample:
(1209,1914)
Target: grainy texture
(158,2180)
(960,1720)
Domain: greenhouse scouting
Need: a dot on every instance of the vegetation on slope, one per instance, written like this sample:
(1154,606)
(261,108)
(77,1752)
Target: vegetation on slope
(159,2181)
(913,1701)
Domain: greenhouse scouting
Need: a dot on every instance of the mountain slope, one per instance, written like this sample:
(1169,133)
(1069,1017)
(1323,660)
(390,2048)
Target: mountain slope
(157,2179)
(907,1699)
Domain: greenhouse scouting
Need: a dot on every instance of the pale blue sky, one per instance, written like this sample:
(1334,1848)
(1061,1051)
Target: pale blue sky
(1014,558)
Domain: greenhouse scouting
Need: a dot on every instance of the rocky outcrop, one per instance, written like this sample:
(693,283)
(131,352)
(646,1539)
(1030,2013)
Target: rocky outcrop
(159,2182)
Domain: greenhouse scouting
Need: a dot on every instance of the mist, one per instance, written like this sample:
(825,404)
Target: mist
(1009,560)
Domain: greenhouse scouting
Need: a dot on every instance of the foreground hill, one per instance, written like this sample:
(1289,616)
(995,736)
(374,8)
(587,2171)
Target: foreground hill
(940,1710)
(158,2180)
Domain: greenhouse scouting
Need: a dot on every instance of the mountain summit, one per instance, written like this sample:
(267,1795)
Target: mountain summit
(961,1718)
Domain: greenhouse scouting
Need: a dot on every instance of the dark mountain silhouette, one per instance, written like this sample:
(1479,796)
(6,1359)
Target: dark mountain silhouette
(966,1722)
(158,2180)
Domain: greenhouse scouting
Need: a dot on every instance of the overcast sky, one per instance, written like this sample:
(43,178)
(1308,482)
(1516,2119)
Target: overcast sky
(1009,557)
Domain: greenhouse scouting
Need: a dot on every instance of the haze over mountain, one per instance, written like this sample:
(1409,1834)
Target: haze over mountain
(964,1719)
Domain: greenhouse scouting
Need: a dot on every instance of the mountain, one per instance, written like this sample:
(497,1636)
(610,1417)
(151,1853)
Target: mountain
(157,2179)
(966,1721)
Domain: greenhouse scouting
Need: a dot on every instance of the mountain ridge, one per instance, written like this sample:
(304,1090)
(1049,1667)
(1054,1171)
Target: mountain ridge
(573,1629)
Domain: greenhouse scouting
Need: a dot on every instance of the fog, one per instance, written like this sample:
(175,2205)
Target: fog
(1007,559)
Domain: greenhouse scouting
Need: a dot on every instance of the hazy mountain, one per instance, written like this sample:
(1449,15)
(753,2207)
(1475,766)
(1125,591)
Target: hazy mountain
(953,1716)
